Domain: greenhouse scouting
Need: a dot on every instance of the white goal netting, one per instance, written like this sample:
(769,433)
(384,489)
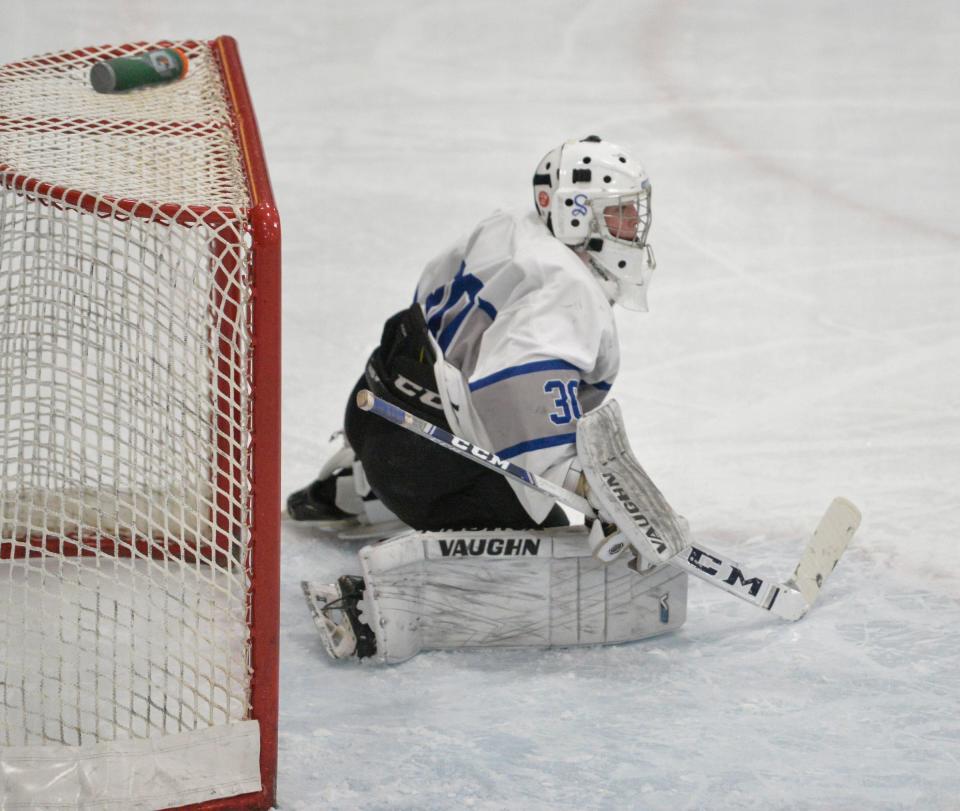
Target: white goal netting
(125,417)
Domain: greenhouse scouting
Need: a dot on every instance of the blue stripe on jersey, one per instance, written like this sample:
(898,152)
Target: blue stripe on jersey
(537,444)
(488,308)
(602,386)
(522,369)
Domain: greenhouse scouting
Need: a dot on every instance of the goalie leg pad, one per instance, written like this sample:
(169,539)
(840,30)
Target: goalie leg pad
(478,589)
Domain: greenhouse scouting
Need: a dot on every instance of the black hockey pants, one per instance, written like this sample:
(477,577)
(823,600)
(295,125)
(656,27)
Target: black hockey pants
(427,486)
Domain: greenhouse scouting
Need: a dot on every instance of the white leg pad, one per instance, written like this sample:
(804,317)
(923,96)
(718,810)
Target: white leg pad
(506,588)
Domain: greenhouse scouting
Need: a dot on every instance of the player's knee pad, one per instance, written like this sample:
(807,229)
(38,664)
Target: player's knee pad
(446,590)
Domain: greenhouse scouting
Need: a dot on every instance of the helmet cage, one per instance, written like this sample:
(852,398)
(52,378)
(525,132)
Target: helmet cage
(630,216)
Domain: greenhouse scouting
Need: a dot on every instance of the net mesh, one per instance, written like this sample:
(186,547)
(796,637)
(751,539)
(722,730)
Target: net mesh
(125,327)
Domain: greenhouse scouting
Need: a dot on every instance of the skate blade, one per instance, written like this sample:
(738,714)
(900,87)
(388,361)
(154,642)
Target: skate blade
(370,532)
(331,524)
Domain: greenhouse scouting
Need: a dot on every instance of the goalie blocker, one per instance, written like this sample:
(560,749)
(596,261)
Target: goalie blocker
(490,588)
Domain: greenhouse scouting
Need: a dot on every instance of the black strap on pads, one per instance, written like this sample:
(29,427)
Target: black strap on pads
(401,368)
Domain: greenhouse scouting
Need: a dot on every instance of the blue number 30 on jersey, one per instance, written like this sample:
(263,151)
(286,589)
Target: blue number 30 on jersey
(567,406)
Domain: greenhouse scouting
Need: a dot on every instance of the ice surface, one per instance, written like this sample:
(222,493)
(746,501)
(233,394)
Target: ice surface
(804,342)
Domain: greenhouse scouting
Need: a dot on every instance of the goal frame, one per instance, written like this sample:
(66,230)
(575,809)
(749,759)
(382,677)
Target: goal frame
(265,348)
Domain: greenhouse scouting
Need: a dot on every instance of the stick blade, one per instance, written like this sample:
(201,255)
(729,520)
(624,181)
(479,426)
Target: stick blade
(830,540)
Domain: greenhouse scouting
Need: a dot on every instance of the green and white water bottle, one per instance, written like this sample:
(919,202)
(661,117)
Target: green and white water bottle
(126,72)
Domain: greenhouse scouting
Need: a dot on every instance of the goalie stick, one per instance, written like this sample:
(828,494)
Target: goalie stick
(789,600)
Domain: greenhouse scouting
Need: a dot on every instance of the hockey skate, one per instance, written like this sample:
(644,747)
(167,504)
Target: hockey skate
(336,612)
(340,501)
(317,502)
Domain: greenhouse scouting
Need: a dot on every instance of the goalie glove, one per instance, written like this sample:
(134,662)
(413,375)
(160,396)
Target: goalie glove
(606,541)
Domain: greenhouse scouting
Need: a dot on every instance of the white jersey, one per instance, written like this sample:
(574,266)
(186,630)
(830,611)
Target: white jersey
(529,343)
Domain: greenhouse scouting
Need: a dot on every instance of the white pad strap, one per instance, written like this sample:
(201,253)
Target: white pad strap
(445,590)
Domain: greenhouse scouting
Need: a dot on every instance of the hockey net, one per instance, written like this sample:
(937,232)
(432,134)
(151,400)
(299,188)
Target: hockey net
(139,386)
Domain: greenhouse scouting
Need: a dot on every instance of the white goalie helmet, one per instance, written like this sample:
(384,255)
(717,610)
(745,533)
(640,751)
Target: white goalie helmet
(596,198)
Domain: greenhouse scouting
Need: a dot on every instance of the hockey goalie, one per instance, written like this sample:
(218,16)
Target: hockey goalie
(511,345)
(510,340)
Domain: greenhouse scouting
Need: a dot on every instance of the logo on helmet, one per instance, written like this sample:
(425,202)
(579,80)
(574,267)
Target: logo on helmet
(580,205)
(543,198)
